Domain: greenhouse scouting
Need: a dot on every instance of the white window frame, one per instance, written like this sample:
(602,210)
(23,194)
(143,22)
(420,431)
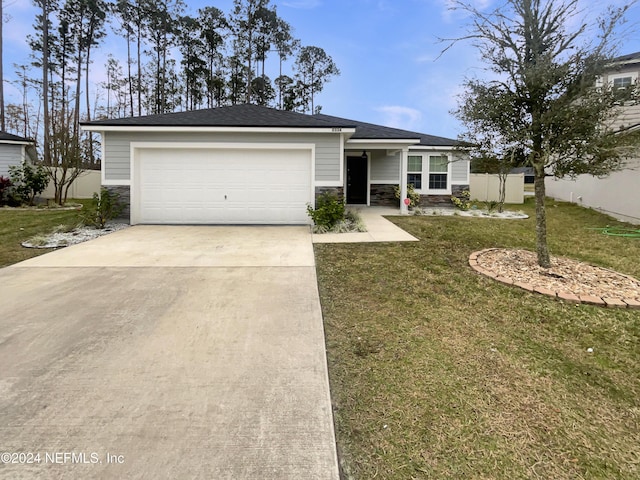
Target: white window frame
(425,190)
(414,172)
(616,76)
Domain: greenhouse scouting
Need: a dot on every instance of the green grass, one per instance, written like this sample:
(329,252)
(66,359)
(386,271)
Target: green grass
(438,372)
(18,225)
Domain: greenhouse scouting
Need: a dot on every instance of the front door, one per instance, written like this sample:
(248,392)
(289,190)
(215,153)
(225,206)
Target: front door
(357,180)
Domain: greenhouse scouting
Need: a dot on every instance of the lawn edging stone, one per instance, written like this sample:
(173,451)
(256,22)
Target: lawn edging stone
(608,302)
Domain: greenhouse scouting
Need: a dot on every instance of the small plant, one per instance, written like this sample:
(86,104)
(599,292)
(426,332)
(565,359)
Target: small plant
(414,198)
(104,207)
(329,211)
(38,240)
(491,206)
(463,201)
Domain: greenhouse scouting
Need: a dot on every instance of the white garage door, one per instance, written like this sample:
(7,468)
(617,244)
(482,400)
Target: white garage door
(221,186)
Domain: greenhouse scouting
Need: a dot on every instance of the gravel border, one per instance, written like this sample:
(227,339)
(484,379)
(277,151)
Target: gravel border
(473,212)
(77,235)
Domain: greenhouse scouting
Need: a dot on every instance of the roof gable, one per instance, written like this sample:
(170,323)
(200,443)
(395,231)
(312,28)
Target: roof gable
(9,137)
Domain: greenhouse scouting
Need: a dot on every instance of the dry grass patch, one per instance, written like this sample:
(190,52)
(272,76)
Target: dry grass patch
(438,372)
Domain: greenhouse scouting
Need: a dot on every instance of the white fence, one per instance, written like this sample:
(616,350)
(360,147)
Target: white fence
(485,187)
(82,187)
(617,195)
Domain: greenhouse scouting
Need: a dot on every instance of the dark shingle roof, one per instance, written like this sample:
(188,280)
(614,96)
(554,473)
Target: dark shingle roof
(627,58)
(370,131)
(9,137)
(247,115)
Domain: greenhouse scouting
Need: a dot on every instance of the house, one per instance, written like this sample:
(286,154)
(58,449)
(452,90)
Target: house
(247,164)
(14,151)
(618,194)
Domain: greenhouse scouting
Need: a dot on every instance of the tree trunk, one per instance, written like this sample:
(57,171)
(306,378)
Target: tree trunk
(139,40)
(88,98)
(45,81)
(542,248)
(2,123)
(129,78)
(502,191)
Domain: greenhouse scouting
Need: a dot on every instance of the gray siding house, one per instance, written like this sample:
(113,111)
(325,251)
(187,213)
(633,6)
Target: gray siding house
(14,150)
(247,164)
(617,194)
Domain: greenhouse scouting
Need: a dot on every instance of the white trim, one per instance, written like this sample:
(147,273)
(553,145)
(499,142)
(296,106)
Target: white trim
(404,165)
(117,183)
(341,163)
(431,148)
(329,183)
(390,141)
(425,190)
(175,128)
(134,146)
(103,164)
(614,76)
(384,182)
(15,142)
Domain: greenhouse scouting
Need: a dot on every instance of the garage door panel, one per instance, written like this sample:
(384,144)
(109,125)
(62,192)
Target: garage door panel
(229,186)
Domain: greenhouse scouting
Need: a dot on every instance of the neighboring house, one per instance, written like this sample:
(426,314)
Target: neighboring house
(14,150)
(618,194)
(527,172)
(247,164)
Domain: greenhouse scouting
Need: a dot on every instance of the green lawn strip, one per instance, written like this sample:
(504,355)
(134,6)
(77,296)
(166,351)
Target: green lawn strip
(472,378)
(18,225)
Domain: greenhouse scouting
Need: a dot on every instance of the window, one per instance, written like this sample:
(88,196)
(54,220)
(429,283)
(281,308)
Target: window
(438,168)
(414,171)
(622,82)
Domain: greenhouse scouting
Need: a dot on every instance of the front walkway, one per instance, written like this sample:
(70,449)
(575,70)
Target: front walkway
(379,229)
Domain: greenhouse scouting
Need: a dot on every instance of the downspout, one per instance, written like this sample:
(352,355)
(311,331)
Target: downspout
(404,166)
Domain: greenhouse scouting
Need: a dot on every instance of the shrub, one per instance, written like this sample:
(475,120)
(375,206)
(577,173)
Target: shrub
(5,185)
(28,181)
(104,207)
(463,202)
(414,198)
(329,210)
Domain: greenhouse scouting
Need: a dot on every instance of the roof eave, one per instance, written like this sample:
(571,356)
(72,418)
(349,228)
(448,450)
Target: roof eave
(93,127)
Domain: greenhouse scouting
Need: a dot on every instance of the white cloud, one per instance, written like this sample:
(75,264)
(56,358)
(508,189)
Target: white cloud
(401,117)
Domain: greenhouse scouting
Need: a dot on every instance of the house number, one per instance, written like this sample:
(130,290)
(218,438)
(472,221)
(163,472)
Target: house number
(336,129)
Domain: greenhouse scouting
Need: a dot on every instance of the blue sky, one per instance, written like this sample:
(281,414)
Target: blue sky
(386,51)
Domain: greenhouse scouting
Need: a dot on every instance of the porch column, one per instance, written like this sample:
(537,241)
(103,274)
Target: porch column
(404,165)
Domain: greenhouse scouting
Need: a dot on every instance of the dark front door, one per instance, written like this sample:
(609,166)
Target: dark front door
(357,180)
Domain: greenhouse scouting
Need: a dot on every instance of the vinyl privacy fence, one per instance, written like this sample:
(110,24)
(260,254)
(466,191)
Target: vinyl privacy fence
(485,187)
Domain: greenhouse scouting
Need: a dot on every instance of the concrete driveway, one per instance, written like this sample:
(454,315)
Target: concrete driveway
(166,352)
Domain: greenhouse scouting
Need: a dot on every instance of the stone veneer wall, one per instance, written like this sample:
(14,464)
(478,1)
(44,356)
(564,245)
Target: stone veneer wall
(383,196)
(339,191)
(125,197)
(442,200)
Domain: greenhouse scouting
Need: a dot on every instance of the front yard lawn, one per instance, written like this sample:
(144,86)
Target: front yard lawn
(18,225)
(439,372)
